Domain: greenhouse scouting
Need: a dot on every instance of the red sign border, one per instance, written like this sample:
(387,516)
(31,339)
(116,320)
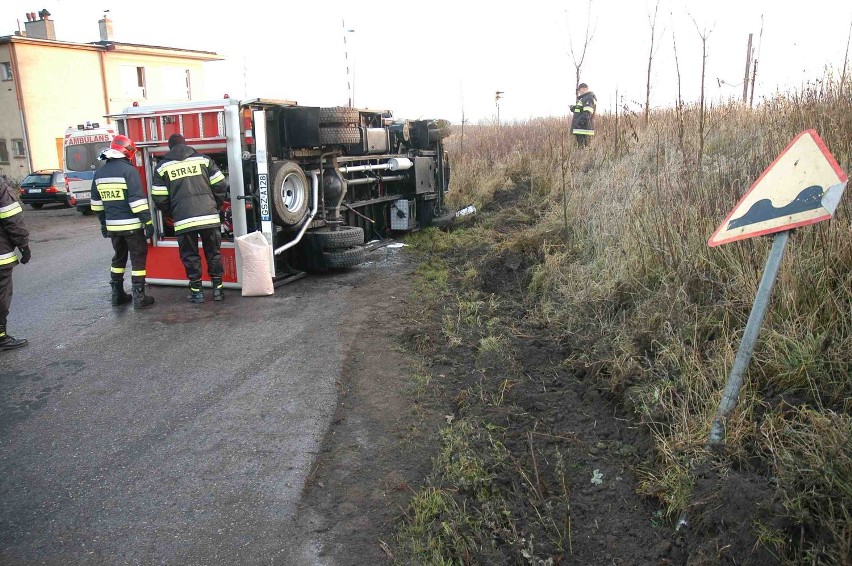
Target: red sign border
(828,157)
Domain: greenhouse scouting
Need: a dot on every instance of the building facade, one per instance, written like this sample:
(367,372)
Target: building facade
(47,86)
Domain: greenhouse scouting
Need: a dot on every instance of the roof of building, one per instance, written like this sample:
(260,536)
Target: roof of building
(118,47)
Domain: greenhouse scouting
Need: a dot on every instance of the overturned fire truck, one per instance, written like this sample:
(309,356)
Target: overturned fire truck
(316,181)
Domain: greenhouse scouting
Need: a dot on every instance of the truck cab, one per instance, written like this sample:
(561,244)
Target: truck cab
(317,182)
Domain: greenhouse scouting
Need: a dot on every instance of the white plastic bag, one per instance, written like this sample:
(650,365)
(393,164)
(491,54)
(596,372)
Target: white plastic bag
(256,277)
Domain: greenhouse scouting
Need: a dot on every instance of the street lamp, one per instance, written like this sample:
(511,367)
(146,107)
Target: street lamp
(350,76)
(497,96)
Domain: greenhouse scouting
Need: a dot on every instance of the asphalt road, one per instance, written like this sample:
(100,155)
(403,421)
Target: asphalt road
(182,434)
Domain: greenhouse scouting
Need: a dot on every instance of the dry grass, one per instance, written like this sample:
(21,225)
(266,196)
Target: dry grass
(623,270)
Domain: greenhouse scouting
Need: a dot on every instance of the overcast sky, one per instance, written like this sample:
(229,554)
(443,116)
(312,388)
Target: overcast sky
(439,58)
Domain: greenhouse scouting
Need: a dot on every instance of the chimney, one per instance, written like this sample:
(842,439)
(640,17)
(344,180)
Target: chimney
(40,26)
(105,27)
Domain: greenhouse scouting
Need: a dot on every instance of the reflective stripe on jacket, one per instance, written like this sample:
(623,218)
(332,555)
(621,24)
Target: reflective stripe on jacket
(118,198)
(13,232)
(189,187)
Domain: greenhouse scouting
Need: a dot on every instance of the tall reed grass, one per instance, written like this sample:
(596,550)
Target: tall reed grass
(623,269)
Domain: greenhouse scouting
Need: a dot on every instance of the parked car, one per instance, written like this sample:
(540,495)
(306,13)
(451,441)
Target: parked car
(45,187)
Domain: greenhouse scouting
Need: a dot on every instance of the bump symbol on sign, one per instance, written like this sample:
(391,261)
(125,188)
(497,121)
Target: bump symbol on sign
(763,210)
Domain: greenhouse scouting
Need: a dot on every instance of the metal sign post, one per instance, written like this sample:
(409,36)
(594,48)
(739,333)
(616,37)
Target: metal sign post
(752,329)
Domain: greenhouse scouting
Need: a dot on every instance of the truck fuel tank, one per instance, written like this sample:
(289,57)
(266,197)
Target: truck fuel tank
(377,140)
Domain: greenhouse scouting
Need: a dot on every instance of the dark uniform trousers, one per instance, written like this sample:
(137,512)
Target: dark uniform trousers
(135,245)
(211,241)
(5,294)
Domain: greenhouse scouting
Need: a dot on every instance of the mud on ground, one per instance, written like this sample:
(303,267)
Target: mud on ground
(537,463)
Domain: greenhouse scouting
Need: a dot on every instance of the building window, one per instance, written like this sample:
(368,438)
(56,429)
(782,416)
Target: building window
(4,152)
(133,81)
(176,84)
(18,148)
(6,71)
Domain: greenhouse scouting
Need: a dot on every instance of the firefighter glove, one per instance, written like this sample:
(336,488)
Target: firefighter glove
(104,232)
(25,254)
(149,230)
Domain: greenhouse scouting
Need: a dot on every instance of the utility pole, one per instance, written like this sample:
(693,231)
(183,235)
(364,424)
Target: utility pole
(747,77)
(497,96)
(350,76)
(245,77)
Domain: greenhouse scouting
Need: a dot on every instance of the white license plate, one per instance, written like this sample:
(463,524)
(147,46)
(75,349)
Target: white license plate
(35,191)
(84,195)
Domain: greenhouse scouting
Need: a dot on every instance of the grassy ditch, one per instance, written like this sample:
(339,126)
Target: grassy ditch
(587,274)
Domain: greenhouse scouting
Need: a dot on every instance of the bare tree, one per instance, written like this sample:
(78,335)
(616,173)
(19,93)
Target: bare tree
(703,33)
(615,141)
(579,59)
(652,20)
(463,121)
(563,166)
(845,59)
(681,127)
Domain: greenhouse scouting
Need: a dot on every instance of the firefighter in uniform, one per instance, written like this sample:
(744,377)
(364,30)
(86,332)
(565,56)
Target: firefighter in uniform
(583,124)
(13,234)
(189,188)
(122,208)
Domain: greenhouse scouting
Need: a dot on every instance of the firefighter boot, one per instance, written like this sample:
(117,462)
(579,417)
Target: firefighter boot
(218,289)
(119,297)
(140,299)
(195,294)
(10,342)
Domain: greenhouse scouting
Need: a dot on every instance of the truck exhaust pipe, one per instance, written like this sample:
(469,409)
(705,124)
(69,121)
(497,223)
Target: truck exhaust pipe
(311,214)
(393,164)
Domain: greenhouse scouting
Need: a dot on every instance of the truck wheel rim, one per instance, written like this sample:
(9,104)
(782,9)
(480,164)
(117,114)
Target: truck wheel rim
(292,193)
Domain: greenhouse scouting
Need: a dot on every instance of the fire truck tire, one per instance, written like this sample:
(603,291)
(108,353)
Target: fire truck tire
(289,193)
(343,237)
(339,136)
(339,115)
(350,257)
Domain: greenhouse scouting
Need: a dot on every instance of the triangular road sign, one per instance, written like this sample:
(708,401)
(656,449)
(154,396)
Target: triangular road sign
(802,186)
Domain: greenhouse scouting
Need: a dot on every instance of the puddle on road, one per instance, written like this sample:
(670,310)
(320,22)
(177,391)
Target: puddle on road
(384,256)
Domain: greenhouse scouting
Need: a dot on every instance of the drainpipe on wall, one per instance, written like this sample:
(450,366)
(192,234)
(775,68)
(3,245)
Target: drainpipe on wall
(16,76)
(104,83)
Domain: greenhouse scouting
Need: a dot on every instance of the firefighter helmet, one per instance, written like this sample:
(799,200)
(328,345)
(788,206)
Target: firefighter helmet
(124,145)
